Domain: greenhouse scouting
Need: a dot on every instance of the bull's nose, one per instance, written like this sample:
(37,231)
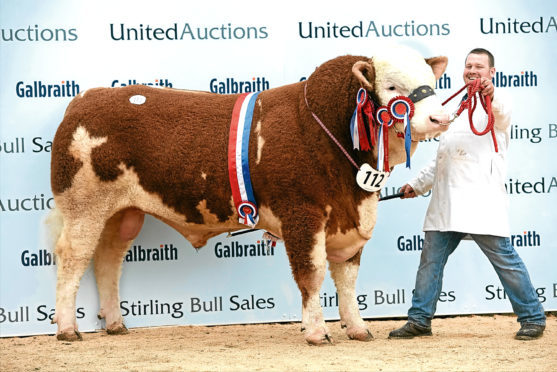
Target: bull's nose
(441,119)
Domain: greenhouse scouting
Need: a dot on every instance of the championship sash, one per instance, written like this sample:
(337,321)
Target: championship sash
(238,160)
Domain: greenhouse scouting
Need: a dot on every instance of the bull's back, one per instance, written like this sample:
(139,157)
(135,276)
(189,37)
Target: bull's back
(175,141)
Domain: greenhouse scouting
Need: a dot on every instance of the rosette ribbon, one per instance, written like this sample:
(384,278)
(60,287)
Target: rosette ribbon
(357,123)
(384,120)
(402,109)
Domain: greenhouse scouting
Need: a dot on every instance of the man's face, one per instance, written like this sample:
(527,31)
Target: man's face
(477,66)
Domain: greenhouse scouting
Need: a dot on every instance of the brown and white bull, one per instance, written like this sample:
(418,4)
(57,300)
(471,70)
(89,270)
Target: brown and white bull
(114,161)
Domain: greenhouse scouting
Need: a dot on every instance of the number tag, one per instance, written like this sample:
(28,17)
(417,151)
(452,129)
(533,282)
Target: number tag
(137,99)
(370,179)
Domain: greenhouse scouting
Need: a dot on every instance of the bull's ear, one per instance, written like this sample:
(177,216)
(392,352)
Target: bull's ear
(438,65)
(365,73)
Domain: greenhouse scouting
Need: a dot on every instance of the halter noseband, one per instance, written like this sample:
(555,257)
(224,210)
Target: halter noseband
(420,93)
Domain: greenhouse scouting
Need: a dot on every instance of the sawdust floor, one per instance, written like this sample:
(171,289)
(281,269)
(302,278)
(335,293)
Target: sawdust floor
(464,343)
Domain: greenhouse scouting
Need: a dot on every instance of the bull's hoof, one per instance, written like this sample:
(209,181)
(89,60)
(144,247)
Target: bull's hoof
(318,339)
(117,329)
(360,335)
(72,335)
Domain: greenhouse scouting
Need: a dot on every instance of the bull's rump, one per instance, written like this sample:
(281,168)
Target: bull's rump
(176,142)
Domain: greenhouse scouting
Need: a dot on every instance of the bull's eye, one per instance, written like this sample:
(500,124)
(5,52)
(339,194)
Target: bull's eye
(392,88)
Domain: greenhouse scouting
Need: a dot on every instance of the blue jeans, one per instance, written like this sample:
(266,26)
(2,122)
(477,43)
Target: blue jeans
(509,267)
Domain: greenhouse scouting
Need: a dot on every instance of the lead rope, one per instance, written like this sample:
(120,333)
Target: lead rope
(328,132)
(470,103)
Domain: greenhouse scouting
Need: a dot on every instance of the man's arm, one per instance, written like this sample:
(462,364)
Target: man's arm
(500,104)
(421,184)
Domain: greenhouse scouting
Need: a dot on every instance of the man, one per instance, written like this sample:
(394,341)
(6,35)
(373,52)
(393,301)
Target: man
(469,198)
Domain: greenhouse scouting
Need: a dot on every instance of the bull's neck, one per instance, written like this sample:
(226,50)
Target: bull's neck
(331,95)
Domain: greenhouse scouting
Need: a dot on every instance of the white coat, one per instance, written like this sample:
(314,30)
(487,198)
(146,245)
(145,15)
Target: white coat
(468,176)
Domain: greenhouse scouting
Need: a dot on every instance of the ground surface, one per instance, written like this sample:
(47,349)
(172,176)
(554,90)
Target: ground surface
(468,343)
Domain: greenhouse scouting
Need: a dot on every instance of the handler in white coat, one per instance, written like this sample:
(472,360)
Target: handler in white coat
(469,198)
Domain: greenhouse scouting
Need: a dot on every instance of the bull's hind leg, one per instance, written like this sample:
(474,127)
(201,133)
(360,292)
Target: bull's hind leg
(74,251)
(117,236)
(344,274)
(307,256)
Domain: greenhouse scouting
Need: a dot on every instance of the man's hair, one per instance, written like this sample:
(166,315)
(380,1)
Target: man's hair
(486,52)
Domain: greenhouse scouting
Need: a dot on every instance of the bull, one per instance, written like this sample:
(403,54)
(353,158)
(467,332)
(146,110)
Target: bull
(121,153)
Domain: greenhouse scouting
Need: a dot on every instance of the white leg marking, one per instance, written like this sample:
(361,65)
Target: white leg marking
(345,274)
(74,251)
(316,331)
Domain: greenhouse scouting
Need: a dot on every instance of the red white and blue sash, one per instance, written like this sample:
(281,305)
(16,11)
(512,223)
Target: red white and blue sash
(238,161)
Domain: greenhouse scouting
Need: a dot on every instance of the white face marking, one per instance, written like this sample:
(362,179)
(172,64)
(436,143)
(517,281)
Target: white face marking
(204,175)
(399,70)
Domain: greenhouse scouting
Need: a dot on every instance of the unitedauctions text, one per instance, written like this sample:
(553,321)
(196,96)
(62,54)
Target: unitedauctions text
(186,32)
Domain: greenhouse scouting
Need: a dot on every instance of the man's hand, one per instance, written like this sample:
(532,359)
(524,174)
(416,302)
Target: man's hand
(487,87)
(408,192)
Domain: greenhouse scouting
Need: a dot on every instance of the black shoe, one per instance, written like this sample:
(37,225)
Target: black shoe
(529,331)
(410,330)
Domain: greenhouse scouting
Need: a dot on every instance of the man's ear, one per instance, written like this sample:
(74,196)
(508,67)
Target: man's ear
(365,73)
(438,65)
(492,72)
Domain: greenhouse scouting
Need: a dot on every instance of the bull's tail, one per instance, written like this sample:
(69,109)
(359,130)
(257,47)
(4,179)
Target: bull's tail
(54,223)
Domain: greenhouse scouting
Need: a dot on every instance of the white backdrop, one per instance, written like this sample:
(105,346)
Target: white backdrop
(73,46)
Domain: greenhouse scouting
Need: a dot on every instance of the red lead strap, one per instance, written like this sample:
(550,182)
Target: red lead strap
(470,103)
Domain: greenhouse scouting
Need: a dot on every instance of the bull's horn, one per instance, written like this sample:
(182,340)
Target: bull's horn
(360,70)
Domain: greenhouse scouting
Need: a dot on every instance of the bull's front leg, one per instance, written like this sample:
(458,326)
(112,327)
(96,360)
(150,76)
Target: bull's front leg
(344,275)
(306,251)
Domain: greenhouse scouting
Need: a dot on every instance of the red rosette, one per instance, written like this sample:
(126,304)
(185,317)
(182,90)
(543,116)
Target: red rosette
(399,107)
(383,116)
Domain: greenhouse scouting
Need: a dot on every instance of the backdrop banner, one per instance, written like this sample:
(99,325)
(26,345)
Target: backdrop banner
(52,51)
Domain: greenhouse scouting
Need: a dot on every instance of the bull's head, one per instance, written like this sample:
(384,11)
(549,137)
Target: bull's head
(404,72)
